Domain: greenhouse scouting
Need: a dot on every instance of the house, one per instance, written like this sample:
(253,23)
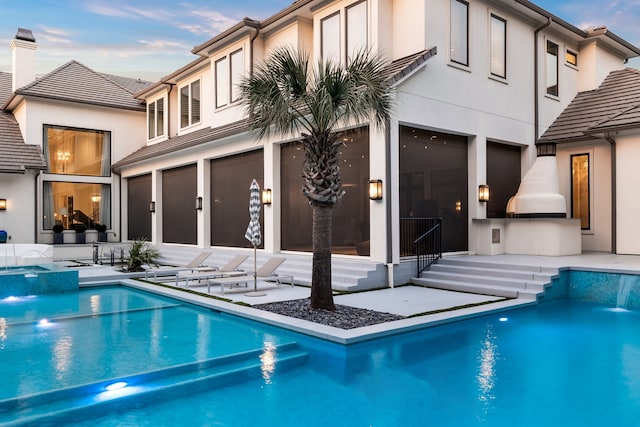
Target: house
(477,83)
(597,146)
(59,135)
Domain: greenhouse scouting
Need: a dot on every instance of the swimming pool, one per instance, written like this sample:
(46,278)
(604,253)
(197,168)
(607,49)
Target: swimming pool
(560,363)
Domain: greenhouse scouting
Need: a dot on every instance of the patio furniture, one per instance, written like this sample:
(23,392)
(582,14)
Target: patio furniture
(229,269)
(266,273)
(195,264)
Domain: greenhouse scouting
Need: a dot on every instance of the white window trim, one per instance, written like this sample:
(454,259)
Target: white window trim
(229,81)
(493,14)
(165,128)
(544,61)
(189,85)
(452,62)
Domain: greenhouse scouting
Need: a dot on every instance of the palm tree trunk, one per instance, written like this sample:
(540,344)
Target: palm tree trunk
(321,290)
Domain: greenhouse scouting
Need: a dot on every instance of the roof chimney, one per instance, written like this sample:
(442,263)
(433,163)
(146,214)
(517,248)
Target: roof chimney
(23,47)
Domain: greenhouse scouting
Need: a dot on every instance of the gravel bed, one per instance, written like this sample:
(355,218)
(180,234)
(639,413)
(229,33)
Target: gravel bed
(344,317)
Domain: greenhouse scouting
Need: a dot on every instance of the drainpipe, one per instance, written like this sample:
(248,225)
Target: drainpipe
(614,226)
(536,107)
(387,138)
(255,36)
(35,211)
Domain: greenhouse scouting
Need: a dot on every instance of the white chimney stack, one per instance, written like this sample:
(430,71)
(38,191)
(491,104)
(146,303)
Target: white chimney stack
(23,47)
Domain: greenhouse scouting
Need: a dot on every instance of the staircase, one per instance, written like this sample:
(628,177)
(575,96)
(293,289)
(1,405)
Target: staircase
(479,276)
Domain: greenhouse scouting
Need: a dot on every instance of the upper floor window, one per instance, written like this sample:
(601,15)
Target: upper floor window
(229,71)
(552,68)
(459,32)
(571,58)
(330,37)
(190,104)
(72,151)
(357,39)
(498,46)
(155,118)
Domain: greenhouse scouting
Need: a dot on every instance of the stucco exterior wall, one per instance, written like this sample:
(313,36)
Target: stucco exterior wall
(19,217)
(628,202)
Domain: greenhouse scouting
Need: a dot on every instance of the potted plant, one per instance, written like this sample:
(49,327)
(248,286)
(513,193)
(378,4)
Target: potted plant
(102,232)
(57,234)
(141,252)
(80,236)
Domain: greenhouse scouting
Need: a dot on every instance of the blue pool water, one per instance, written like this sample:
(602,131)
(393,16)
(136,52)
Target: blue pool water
(561,363)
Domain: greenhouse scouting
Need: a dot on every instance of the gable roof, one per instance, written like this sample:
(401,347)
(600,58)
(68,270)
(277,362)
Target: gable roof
(77,83)
(615,104)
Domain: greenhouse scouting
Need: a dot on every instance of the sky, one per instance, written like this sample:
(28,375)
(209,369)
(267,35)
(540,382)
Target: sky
(151,39)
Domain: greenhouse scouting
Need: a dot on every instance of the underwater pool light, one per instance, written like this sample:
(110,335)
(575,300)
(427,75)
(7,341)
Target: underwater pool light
(503,319)
(44,322)
(116,386)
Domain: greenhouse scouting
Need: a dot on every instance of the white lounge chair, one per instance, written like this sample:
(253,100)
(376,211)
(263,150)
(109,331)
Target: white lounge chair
(195,264)
(227,270)
(266,272)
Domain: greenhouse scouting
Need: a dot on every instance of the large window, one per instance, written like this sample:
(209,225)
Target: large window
(230,180)
(357,39)
(350,215)
(498,46)
(552,68)
(459,32)
(155,118)
(580,189)
(72,203)
(190,104)
(72,151)
(229,71)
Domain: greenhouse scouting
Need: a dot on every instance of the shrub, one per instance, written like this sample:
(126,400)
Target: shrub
(58,228)
(80,228)
(141,252)
(101,228)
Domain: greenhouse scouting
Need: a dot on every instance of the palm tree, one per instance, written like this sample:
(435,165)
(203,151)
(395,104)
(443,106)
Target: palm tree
(286,96)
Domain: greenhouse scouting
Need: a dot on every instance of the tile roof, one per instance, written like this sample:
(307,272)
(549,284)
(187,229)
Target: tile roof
(15,155)
(182,142)
(615,104)
(403,67)
(77,83)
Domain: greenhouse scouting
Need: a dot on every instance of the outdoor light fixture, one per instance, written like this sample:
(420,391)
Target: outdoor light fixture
(152,206)
(484,195)
(199,203)
(3,204)
(266,196)
(375,189)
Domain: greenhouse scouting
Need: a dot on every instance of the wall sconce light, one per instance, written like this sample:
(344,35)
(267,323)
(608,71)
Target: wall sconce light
(152,207)
(375,189)
(484,193)
(3,204)
(266,196)
(199,203)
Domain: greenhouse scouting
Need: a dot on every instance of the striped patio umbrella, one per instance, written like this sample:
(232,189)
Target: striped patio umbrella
(253,229)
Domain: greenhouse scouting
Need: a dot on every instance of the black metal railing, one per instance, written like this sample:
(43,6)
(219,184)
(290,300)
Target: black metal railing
(422,238)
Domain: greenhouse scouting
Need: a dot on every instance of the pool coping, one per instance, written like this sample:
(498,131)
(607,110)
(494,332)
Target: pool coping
(329,333)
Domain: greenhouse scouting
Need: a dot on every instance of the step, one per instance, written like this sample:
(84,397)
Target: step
(471,262)
(478,270)
(477,288)
(484,280)
(56,406)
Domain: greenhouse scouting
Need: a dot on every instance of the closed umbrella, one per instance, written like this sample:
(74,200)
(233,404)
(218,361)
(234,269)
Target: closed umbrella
(253,229)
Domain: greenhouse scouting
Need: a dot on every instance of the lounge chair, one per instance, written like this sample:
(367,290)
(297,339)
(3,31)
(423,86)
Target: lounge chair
(195,264)
(227,270)
(266,272)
